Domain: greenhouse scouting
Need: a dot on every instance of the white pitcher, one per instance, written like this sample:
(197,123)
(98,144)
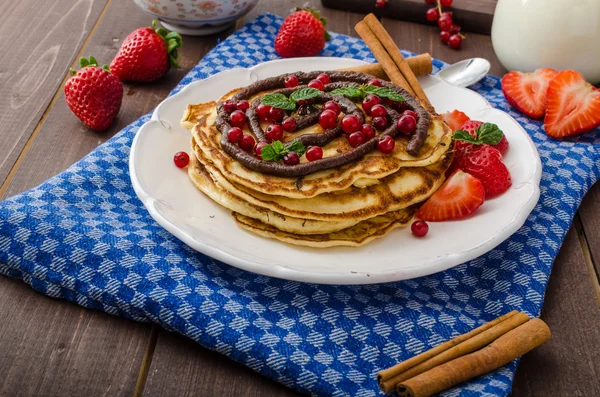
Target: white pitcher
(558,34)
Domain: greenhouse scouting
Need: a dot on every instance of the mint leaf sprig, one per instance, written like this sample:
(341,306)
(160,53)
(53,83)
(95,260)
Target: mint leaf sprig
(282,102)
(354,92)
(276,150)
(486,133)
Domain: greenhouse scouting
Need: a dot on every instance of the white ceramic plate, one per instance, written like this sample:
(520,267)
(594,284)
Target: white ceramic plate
(175,203)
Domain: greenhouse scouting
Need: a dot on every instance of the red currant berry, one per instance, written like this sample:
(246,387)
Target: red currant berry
(444,36)
(316,84)
(445,21)
(412,113)
(328,119)
(454,29)
(378,111)
(274,132)
(181,159)
(406,124)
(368,131)
(291,81)
(333,105)
(380,3)
(398,106)
(263,111)
(314,153)
(380,123)
(432,14)
(386,144)
(276,115)
(419,228)
(235,134)
(455,41)
(243,105)
(446,3)
(291,158)
(370,101)
(375,82)
(259,147)
(229,106)
(323,78)
(289,124)
(237,118)
(247,143)
(350,123)
(356,139)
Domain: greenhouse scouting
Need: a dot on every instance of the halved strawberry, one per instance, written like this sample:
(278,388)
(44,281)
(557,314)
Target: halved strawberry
(527,91)
(455,119)
(458,197)
(485,163)
(572,107)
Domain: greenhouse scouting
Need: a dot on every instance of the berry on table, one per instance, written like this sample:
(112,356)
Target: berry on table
(455,41)
(243,105)
(316,84)
(406,124)
(375,82)
(291,158)
(314,153)
(386,144)
(274,132)
(181,159)
(259,147)
(302,33)
(350,123)
(446,3)
(289,124)
(380,123)
(291,81)
(356,139)
(378,111)
(235,134)
(370,101)
(247,143)
(432,14)
(454,29)
(368,131)
(276,115)
(445,36)
(263,111)
(419,228)
(323,78)
(381,3)
(237,118)
(445,21)
(333,106)
(328,119)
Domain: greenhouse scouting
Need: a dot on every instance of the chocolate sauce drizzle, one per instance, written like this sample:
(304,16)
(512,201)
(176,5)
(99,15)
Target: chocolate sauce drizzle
(338,79)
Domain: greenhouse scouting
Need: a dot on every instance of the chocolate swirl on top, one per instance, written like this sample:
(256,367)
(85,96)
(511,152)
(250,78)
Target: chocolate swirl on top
(338,79)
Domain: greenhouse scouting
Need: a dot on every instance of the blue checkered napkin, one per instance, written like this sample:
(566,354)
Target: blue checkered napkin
(85,237)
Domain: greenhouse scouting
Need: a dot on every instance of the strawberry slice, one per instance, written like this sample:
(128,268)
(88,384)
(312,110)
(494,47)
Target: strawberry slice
(485,163)
(573,105)
(455,119)
(458,197)
(527,91)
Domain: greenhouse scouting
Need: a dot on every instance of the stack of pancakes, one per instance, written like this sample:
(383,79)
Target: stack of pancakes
(345,206)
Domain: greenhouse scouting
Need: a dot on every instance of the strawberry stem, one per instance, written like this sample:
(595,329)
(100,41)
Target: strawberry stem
(173,41)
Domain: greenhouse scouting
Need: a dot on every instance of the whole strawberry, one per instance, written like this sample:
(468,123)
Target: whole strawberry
(94,94)
(302,34)
(146,54)
(485,163)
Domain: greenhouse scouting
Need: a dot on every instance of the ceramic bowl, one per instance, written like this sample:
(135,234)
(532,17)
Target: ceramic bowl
(196,17)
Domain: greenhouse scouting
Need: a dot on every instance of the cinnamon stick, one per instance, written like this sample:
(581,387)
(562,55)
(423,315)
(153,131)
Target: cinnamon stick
(388,65)
(390,47)
(502,351)
(389,378)
(421,65)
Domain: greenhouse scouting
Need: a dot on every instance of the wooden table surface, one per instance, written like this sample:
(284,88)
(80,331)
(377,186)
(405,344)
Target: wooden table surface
(55,348)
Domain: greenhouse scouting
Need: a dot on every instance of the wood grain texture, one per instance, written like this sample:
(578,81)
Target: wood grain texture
(589,214)
(181,367)
(472,15)
(39,42)
(54,348)
(569,364)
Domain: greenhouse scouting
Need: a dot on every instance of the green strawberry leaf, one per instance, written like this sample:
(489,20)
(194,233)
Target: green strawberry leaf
(383,92)
(348,91)
(489,133)
(276,150)
(279,101)
(305,93)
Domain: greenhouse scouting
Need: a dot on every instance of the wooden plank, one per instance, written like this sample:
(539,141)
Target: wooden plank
(589,213)
(52,347)
(472,15)
(569,364)
(181,367)
(38,44)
